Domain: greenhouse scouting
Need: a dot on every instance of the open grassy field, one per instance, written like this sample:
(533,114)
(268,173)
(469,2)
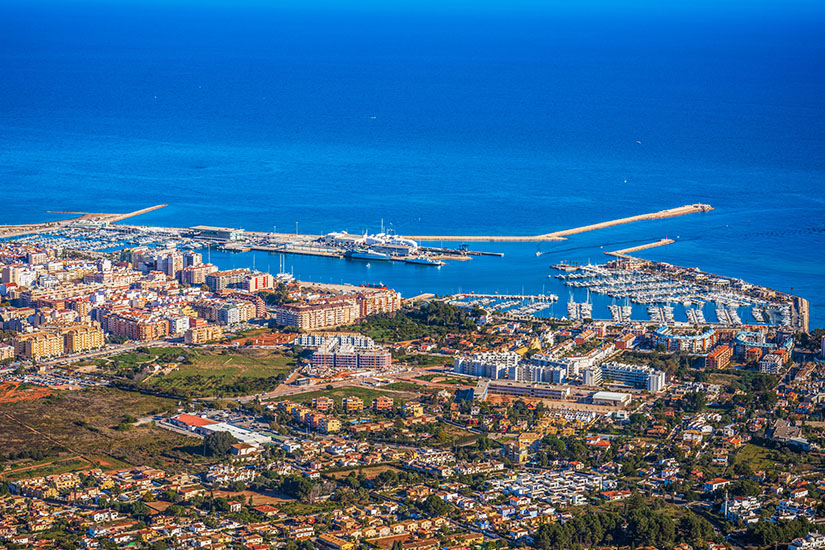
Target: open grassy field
(423,360)
(49,467)
(411,387)
(85,424)
(758,457)
(202,372)
(208,373)
(444,379)
(723,378)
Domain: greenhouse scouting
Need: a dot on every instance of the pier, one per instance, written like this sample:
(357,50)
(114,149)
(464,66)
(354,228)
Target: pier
(561,235)
(239,240)
(104,217)
(27,229)
(625,252)
(522,297)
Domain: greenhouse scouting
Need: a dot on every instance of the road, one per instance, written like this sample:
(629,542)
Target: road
(112,349)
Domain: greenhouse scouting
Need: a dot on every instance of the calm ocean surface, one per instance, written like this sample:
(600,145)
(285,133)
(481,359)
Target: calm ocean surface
(439,123)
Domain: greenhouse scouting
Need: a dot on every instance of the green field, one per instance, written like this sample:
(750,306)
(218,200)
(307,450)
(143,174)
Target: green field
(723,378)
(235,373)
(444,379)
(85,424)
(201,372)
(48,468)
(758,457)
(411,387)
(422,359)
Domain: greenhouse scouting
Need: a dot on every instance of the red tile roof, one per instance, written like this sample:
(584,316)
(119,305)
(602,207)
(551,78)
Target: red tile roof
(192,420)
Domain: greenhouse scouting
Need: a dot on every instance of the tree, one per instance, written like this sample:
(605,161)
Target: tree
(695,401)
(387,477)
(695,530)
(745,488)
(434,505)
(218,444)
(742,469)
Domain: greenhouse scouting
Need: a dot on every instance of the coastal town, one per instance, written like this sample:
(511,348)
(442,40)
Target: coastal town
(412,275)
(152,400)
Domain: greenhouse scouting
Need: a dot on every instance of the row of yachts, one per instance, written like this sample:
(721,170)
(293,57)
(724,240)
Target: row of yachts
(515,307)
(100,239)
(659,293)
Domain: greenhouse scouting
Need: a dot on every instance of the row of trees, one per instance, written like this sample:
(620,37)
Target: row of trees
(639,525)
(767,533)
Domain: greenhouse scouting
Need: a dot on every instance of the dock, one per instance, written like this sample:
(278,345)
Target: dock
(7,231)
(561,235)
(625,252)
(522,297)
(281,249)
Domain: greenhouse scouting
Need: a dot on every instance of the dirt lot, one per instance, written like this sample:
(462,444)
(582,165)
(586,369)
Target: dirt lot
(85,424)
(203,372)
(369,471)
(12,392)
(257,498)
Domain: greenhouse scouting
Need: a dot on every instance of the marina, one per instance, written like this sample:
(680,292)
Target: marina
(99,232)
(515,306)
(662,294)
(622,291)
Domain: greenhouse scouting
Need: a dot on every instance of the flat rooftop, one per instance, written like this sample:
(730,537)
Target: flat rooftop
(213,228)
(611,396)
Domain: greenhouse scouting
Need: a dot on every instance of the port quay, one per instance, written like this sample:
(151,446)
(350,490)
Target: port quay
(102,232)
(636,288)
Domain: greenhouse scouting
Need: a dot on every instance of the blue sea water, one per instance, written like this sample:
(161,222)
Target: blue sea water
(468,120)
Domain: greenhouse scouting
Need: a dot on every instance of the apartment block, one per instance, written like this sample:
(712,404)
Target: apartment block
(202,334)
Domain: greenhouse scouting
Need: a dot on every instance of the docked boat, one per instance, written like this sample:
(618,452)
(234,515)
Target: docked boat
(424,260)
(365,254)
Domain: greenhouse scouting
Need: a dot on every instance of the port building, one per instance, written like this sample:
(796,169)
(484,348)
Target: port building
(218,233)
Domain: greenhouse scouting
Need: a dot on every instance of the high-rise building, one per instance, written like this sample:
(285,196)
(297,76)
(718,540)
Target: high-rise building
(318,315)
(493,365)
(37,345)
(256,282)
(82,338)
(202,334)
(719,357)
(192,259)
(196,274)
(635,375)
(220,280)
